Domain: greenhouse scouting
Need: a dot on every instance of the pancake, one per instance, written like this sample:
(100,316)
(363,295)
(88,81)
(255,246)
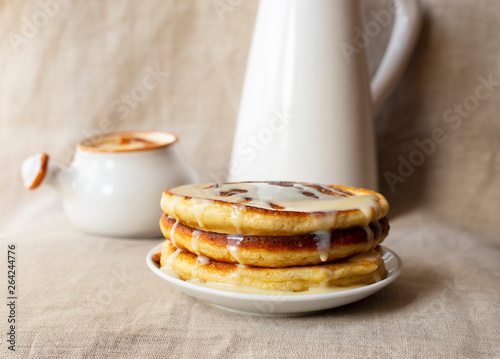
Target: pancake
(272,208)
(276,251)
(363,269)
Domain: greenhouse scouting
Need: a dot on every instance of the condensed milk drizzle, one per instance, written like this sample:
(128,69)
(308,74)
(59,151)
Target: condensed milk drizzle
(378,229)
(252,290)
(329,275)
(369,237)
(172,257)
(172,233)
(237,218)
(370,256)
(173,204)
(236,274)
(234,245)
(199,208)
(203,259)
(370,234)
(323,244)
(195,236)
(324,239)
(282,196)
(200,261)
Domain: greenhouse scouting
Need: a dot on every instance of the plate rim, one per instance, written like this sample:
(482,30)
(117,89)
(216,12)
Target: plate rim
(393,273)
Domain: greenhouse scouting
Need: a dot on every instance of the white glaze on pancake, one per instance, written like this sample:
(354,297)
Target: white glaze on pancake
(264,195)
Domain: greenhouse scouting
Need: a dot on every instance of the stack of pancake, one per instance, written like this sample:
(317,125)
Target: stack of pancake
(280,236)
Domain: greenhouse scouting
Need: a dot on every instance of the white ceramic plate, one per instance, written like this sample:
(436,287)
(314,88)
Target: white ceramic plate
(280,305)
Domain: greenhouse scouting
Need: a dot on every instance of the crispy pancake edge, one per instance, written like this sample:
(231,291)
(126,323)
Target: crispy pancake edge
(338,274)
(274,251)
(216,215)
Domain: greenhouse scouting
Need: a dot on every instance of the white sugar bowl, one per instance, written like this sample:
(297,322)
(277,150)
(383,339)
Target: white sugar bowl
(115,181)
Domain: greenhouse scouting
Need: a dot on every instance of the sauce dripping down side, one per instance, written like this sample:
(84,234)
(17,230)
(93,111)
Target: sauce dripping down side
(234,245)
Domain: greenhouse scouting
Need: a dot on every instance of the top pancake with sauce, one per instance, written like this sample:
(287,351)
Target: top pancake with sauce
(272,208)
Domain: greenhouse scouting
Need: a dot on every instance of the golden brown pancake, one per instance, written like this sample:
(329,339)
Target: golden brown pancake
(363,269)
(272,208)
(276,251)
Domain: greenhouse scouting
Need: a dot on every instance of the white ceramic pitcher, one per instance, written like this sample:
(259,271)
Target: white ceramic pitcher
(307,106)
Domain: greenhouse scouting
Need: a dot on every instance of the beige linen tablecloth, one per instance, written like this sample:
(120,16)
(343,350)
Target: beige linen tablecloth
(66,66)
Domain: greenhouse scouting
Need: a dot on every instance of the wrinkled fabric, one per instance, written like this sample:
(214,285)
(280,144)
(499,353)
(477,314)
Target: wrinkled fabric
(72,69)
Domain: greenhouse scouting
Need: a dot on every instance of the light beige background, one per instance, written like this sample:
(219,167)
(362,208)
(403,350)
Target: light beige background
(70,76)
